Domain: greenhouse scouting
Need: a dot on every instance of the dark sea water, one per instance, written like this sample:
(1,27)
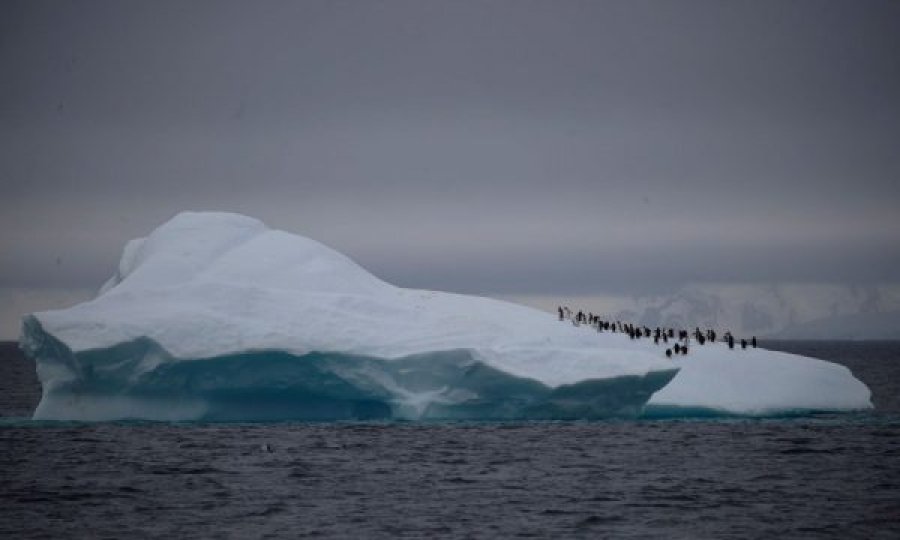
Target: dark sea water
(832,476)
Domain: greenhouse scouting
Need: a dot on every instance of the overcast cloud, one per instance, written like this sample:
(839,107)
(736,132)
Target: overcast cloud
(496,147)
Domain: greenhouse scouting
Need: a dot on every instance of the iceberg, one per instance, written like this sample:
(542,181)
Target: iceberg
(215,316)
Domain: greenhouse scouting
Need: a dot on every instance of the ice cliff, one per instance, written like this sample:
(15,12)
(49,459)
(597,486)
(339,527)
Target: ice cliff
(215,316)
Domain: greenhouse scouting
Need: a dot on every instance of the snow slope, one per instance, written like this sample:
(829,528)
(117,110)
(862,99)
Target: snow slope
(216,316)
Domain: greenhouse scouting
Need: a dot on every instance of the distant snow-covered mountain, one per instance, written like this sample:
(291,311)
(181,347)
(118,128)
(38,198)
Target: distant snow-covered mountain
(783,311)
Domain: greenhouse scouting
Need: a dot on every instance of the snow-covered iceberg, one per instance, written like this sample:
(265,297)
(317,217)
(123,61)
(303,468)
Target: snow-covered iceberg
(215,316)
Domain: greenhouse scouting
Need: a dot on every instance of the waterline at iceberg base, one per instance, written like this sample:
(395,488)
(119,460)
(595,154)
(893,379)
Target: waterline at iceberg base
(214,316)
(275,385)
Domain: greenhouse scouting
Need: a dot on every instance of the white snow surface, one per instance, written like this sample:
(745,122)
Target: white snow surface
(758,382)
(206,285)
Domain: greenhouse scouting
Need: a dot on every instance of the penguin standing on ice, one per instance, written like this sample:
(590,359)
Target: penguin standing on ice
(753,342)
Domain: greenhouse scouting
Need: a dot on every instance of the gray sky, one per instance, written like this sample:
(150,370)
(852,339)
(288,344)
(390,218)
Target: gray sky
(497,147)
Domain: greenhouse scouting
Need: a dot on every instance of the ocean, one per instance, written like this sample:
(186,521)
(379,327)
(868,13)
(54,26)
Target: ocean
(824,476)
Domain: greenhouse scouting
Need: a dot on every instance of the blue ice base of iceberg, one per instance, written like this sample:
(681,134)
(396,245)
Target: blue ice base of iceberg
(140,380)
